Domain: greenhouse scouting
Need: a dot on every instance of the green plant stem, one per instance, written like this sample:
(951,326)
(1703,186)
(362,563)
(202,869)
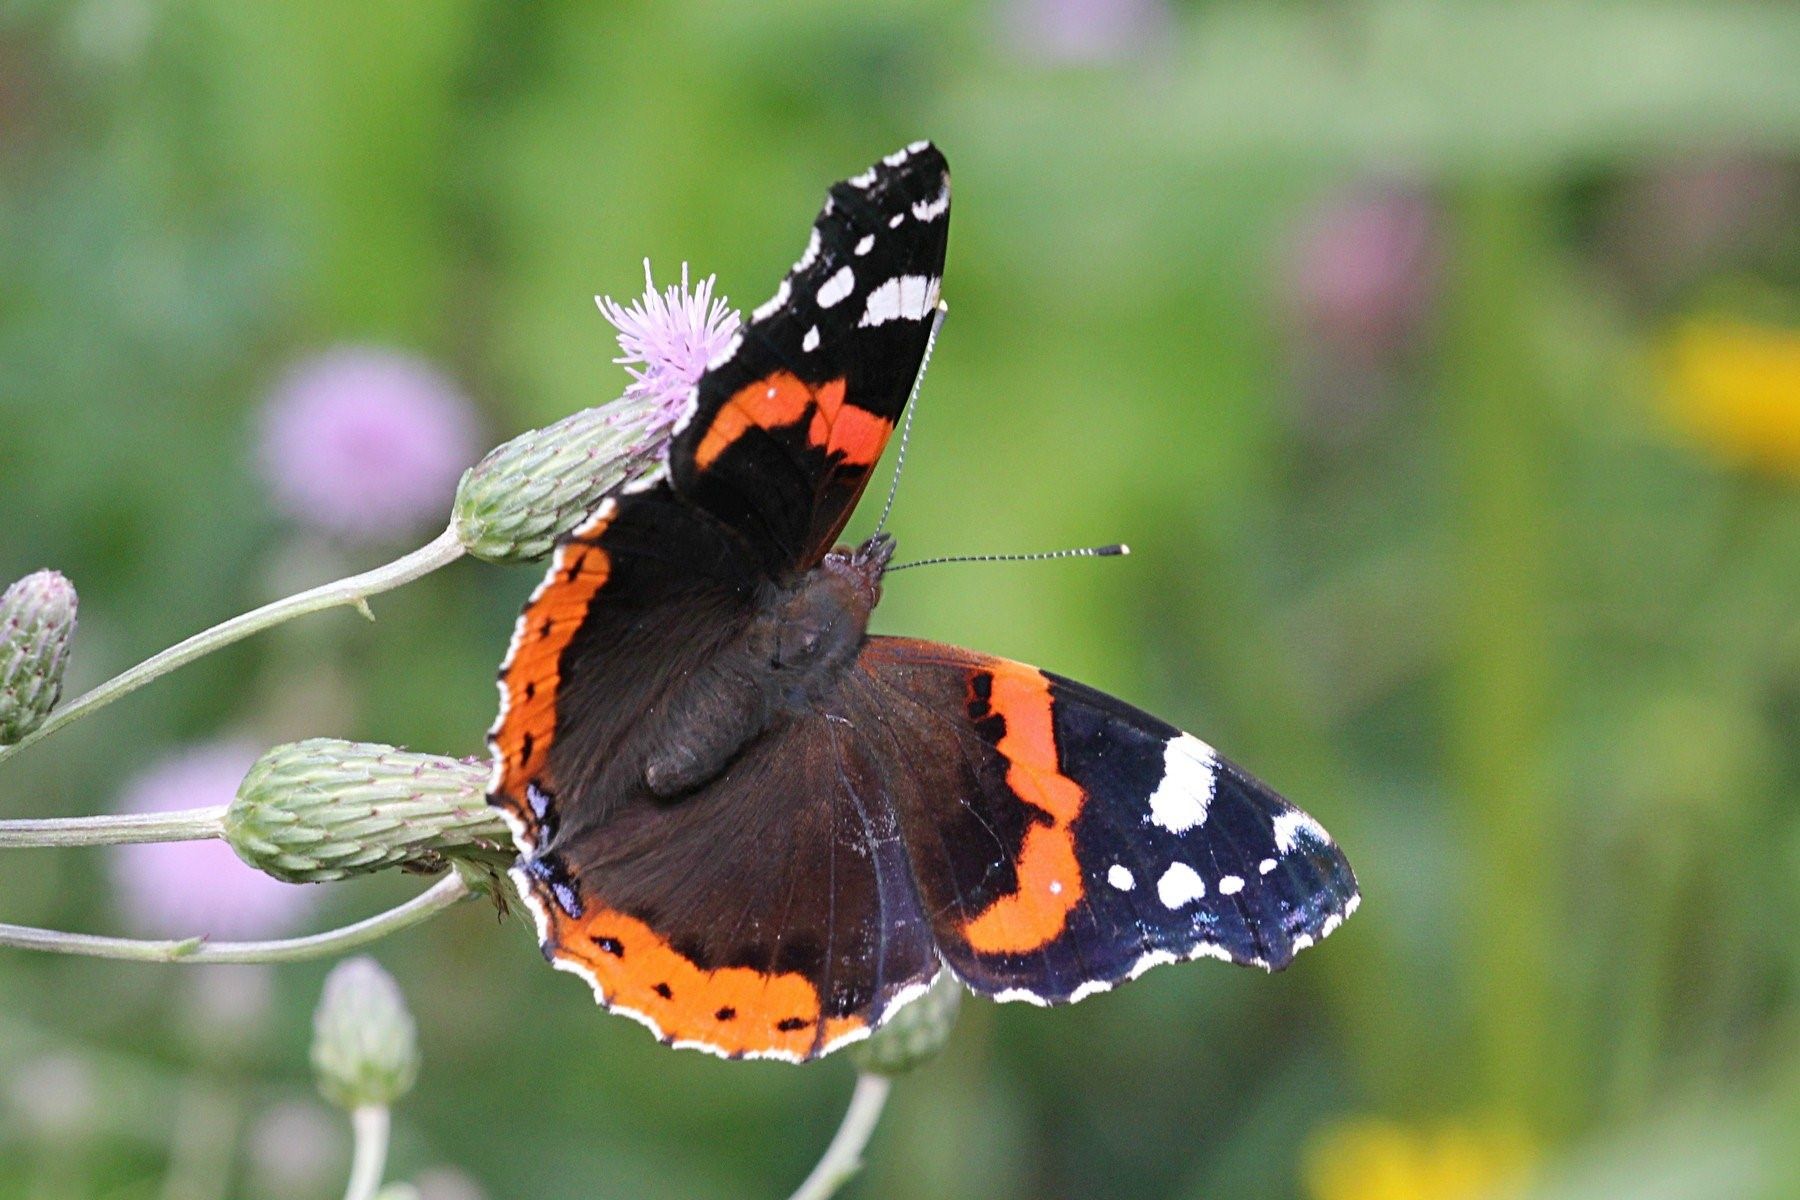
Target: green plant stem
(188,825)
(439,896)
(1502,687)
(354,590)
(843,1157)
(369,1124)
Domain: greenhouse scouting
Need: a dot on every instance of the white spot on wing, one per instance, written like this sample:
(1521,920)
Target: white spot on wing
(1231,885)
(837,287)
(810,342)
(902,298)
(894,221)
(1265,866)
(1290,824)
(1120,877)
(1056,887)
(865,245)
(1181,798)
(931,210)
(812,252)
(863,180)
(773,304)
(1180,885)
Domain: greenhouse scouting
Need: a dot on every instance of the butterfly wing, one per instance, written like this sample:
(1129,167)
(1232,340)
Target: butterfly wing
(769,914)
(792,417)
(1066,841)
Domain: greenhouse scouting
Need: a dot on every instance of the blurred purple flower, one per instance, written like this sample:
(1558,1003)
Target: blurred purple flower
(184,889)
(667,338)
(1085,31)
(296,1150)
(1362,272)
(367,443)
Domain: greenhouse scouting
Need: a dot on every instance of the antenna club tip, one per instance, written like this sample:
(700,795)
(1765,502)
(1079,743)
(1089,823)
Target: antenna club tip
(1119,550)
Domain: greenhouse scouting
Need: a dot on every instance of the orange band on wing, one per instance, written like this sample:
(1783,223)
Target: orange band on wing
(533,673)
(779,399)
(1049,875)
(734,1010)
(855,433)
(782,399)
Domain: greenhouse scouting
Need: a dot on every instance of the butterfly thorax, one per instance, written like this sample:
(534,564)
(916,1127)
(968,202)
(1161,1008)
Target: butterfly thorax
(791,655)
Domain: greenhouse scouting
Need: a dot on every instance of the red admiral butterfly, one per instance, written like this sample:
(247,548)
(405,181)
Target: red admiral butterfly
(760,830)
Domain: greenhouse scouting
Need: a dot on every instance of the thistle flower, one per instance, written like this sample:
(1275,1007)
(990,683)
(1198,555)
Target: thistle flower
(513,504)
(181,889)
(914,1034)
(326,809)
(366,443)
(37,621)
(365,1051)
(1086,31)
(294,1151)
(1362,270)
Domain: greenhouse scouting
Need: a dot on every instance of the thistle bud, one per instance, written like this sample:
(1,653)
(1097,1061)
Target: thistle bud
(324,809)
(914,1034)
(512,505)
(365,1051)
(37,620)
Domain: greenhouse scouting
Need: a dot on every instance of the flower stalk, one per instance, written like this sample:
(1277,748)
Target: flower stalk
(441,895)
(354,590)
(843,1157)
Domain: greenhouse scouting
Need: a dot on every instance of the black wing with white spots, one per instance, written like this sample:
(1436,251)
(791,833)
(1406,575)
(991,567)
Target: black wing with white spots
(793,415)
(1064,841)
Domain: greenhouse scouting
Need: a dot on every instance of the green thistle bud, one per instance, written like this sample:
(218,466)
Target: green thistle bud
(37,620)
(915,1033)
(513,505)
(365,1051)
(325,809)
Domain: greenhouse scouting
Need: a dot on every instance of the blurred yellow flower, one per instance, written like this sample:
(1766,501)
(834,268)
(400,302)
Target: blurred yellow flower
(1372,1159)
(1734,387)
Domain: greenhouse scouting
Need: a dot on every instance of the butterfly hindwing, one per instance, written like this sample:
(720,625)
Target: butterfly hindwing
(1097,841)
(793,415)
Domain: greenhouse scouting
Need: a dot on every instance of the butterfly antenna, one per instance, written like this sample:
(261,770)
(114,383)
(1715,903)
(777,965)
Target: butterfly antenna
(937,323)
(1117,549)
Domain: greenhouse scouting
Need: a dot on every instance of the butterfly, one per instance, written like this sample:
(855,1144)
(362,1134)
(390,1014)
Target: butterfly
(759,829)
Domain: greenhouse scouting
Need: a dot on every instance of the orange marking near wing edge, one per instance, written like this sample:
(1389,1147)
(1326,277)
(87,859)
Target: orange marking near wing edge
(532,674)
(1049,874)
(735,1010)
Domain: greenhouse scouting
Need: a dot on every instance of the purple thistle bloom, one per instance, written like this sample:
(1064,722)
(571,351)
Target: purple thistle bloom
(667,338)
(366,443)
(1362,271)
(1086,31)
(184,889)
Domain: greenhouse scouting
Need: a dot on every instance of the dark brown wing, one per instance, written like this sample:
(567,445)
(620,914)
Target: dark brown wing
(770,914)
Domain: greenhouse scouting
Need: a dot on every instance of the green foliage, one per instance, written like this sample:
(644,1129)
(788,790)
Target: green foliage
(1530,656)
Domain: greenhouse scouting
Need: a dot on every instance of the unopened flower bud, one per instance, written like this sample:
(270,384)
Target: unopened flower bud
(914,1034)
(326,809)
(513,505)
(365,1051)
(37,620)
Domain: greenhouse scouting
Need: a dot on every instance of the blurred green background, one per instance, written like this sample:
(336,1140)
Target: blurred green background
(1440,362)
